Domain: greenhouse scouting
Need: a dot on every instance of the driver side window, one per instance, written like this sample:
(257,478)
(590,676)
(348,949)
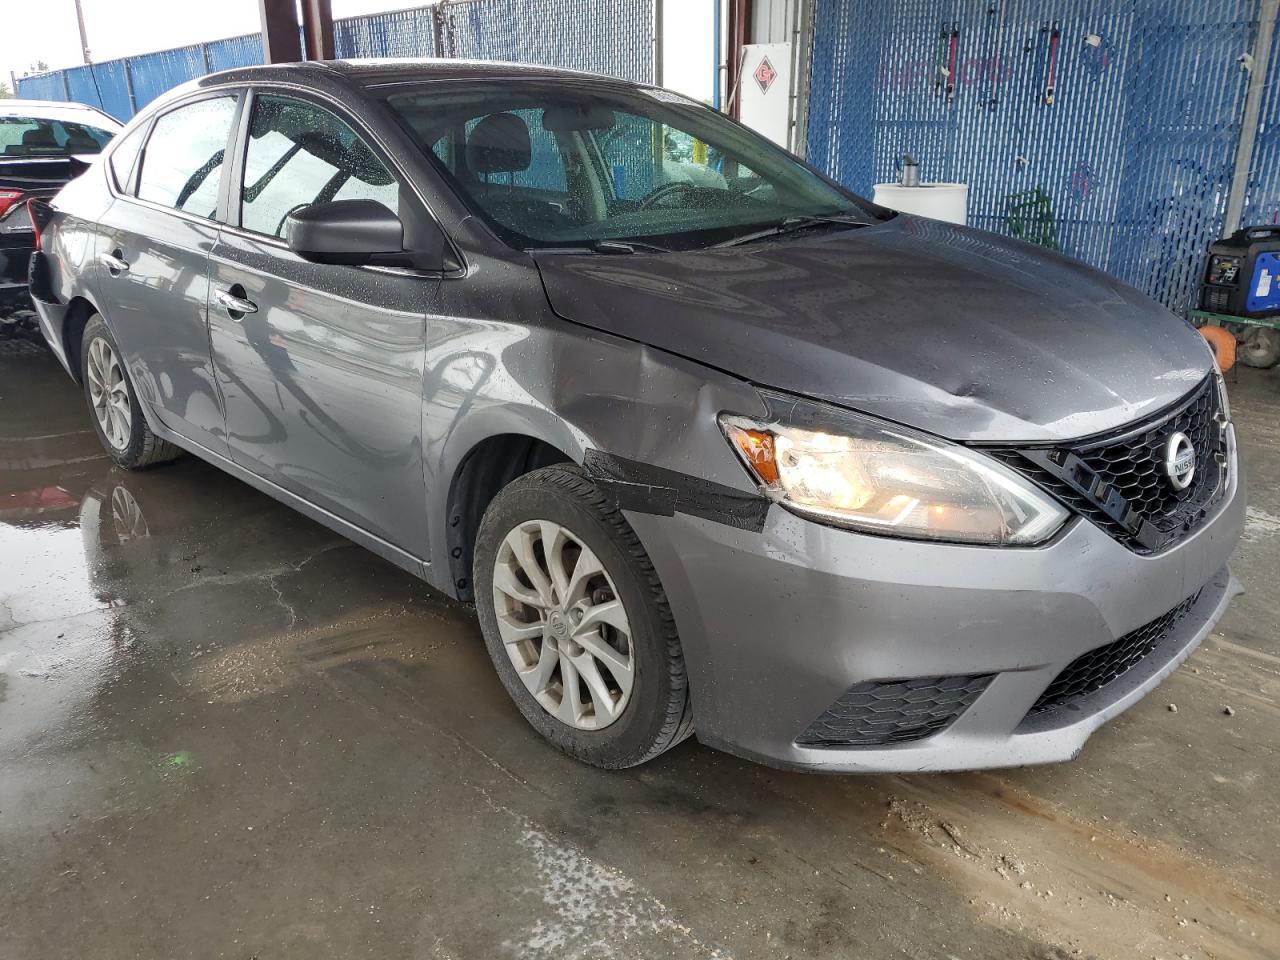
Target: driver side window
(299,154)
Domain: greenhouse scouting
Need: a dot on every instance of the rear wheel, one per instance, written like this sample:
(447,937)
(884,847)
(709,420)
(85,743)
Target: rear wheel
(577,623)
(117,417)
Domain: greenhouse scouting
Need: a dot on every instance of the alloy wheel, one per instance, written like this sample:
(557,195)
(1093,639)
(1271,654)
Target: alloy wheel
(109,394)
(563,625)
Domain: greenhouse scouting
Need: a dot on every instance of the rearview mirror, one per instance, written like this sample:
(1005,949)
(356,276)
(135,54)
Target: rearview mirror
(577,118)
(349,232)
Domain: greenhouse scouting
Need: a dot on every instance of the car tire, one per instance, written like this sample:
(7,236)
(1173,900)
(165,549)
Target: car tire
(1259,347)
(113,404)
(654,713)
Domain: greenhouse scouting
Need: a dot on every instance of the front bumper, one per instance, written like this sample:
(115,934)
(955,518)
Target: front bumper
(777,625)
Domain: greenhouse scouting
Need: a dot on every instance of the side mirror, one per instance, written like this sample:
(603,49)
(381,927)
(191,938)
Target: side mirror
(354,233)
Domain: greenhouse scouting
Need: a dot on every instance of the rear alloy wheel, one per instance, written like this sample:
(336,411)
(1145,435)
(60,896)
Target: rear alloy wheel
(577,623)
(117,417)
(108,394)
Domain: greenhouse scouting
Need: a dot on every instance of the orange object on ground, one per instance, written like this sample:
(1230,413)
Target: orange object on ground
(1223,344)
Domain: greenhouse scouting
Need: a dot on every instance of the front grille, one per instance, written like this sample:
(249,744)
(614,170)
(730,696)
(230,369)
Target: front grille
(1104,665)
(877,714)
(1119,481)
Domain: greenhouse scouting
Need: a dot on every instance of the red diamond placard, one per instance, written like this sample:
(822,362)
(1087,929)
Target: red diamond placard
(765,75)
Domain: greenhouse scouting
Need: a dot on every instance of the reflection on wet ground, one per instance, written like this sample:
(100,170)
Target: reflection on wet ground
(225,731)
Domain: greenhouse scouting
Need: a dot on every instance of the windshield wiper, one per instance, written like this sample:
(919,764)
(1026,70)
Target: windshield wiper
(790,225)
(625,246)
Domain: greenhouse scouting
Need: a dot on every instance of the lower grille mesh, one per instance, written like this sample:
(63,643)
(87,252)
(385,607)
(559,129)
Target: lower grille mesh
(1103,665)
(873,714)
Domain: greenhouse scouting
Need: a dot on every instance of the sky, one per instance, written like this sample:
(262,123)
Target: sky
(46,30)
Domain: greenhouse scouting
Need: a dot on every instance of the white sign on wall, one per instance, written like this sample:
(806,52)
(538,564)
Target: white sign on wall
(766,90)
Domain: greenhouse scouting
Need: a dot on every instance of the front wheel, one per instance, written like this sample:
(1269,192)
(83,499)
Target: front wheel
(577,623)
(118,419)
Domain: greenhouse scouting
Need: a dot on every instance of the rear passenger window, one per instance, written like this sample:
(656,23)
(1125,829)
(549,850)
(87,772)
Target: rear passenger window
(182,163)
(300,154)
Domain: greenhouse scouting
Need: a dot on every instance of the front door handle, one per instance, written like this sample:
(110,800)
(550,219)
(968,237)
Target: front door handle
(114,263)
(235,305)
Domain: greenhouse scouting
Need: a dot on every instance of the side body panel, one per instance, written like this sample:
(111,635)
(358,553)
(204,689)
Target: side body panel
(323,384)
(158,311)
(71,248)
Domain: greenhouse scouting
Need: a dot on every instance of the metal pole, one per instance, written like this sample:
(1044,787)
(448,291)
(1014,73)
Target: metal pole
(437,25)
(13,83)
(800,76)
(1258,70)
(717,62)
(317,27)
(84,37)
(281,41)
(128,87)
(657,43)
(444,36)
(739,30)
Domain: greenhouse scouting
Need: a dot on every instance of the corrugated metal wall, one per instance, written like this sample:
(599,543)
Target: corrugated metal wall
(609,36)
(1133,155)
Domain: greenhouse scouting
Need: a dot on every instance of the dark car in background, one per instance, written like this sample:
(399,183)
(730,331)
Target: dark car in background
(43,145)
(714,445)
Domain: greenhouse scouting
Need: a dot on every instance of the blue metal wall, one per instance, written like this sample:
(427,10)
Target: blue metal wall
(122,87)
(604,36)
(1135,152)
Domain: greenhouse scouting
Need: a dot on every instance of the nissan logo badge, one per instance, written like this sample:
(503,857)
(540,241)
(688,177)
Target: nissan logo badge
(1179,461)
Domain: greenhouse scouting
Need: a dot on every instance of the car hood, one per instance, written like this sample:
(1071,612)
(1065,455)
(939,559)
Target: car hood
(951,330)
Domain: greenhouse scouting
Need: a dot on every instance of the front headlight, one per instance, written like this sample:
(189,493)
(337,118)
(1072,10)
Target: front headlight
(848,469)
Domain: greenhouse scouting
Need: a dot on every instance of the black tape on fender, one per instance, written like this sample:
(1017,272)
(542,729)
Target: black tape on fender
(644,488)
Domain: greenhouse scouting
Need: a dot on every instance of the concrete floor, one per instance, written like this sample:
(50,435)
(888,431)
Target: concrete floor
(226,732)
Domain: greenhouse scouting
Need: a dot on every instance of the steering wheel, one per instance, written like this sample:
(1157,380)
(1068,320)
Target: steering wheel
(665,191)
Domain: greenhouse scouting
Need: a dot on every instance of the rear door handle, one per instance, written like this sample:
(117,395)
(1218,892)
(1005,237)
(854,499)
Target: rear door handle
(235,305)
(114,263)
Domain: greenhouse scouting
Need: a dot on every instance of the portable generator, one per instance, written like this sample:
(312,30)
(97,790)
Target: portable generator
(1243,276)
(1241,291)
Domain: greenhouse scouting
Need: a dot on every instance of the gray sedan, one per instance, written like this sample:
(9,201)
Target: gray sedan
(715,446)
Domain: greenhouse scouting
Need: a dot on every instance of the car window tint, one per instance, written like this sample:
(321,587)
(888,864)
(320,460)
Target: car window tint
(125,155)
(47,137)
(300,154)
(182,163)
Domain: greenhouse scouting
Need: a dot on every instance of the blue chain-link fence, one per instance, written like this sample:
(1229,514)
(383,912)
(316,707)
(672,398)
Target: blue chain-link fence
(1107,126)
(604,36)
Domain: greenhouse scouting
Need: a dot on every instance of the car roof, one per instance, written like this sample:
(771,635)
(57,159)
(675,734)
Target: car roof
(401,70)
(53,110)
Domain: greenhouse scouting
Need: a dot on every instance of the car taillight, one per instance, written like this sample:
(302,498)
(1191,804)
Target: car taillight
(36,225)
(8,200)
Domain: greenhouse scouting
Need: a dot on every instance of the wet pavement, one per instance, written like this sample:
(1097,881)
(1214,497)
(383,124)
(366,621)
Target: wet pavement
(227,732)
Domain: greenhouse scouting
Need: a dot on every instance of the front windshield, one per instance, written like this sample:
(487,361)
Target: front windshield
(569,165)
(43,137)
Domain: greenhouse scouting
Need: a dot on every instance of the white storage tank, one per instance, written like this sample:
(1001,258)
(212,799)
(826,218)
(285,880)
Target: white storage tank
(941,201)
